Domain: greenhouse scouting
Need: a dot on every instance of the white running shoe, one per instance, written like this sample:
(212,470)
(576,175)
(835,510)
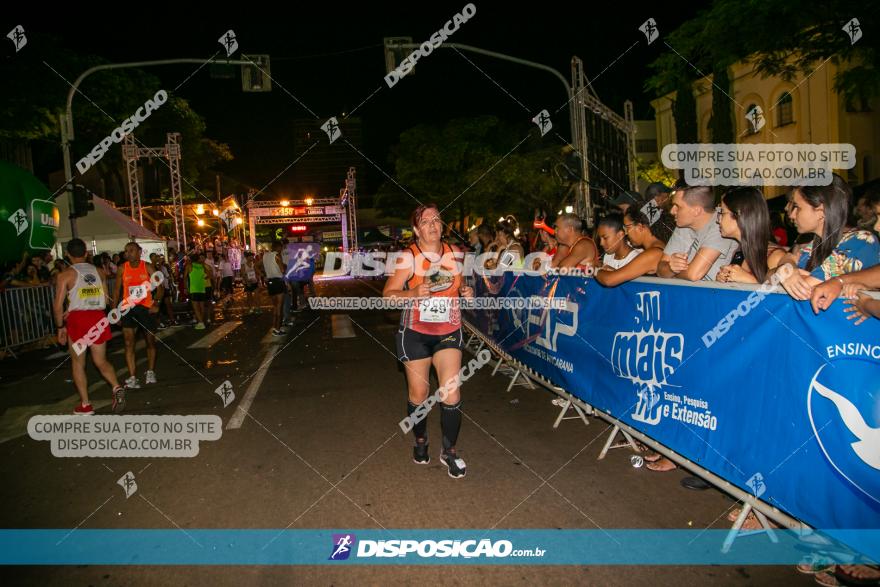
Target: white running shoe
(150,377)
(132,383)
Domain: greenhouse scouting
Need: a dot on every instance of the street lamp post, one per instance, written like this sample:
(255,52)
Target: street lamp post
(572,103)
(66,119)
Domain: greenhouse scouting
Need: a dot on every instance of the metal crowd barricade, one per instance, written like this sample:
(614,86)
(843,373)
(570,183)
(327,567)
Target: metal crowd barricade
(25,316)
(763,510)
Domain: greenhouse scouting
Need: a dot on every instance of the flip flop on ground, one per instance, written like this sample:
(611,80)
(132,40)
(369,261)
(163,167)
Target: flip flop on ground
(857,574)
(661,465)
(752,522)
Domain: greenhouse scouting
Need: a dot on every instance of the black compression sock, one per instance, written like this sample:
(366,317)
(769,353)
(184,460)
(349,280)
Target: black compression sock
(450,424)
(420,430)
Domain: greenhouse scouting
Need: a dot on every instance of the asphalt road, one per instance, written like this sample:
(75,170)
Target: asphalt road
(324,412)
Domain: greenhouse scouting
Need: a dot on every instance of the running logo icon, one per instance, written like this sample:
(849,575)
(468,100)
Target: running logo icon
(225,392)
(19,39)
(342,546)
(650,30)
(331,127)
(19,221)
(756,484)
(755,118)
(844,411)
(542,119)
(229,42)
(128,484)
(853,30)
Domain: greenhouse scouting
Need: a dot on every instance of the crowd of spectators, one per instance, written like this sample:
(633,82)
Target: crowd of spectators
(824,241)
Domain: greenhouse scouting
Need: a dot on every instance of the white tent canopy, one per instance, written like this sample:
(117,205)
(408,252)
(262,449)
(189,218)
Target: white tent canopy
(106,229)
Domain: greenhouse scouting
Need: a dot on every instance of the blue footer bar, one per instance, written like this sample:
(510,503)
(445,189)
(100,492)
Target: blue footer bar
(408,547)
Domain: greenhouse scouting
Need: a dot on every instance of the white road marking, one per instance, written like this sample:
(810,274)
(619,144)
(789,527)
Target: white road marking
(14,421)
(244,405)
(341,326)
(216,336)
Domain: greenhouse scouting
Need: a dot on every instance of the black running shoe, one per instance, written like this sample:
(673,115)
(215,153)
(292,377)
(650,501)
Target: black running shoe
(454,463)
(420,453)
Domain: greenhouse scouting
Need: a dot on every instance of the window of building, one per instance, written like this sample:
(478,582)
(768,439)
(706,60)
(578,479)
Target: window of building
(646,145)
(784,109)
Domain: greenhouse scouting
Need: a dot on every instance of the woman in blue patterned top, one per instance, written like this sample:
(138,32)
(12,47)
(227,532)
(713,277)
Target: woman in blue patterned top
(822,212)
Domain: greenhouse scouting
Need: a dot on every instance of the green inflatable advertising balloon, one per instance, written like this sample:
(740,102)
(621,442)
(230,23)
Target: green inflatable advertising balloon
(28,216)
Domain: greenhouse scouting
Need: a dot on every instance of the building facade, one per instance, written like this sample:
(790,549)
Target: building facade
(806,109)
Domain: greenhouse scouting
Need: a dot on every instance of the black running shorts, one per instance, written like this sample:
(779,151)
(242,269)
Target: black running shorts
(140,317)
(275,286)
(412,345)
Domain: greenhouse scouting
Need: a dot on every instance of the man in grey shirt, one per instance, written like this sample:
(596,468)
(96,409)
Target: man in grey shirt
(696,250)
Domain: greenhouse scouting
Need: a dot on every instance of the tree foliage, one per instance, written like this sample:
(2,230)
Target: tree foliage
(782,38)
(478,165)
(42,76)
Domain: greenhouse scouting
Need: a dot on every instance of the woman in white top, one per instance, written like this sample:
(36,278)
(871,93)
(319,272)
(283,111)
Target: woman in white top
(612,238)
(638,231)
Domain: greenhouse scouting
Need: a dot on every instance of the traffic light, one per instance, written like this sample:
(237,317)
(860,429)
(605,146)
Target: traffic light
(394,53)
(82,202)
(258,76)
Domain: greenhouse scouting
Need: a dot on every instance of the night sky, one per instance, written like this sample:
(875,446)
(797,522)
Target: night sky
(330,57)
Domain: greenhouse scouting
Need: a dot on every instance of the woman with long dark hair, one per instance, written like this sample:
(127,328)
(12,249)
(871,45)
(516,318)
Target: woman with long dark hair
(638,229)
(821,210)
(744,216)
(430,332)
(611,234)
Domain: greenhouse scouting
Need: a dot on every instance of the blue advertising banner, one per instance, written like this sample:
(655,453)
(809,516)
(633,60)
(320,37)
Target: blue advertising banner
(750,385)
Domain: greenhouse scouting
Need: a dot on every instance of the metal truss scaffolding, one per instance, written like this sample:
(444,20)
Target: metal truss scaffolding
(171,151)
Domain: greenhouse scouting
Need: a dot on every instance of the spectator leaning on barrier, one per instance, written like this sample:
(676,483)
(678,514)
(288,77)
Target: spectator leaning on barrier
(822,212)
(873,200)
(43,273)
(638,231)
(744,217)
(696,250)
(612,239)
(866,216)
(852,286)
(13,276)
(580,251)
(656,201)
(656,210)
